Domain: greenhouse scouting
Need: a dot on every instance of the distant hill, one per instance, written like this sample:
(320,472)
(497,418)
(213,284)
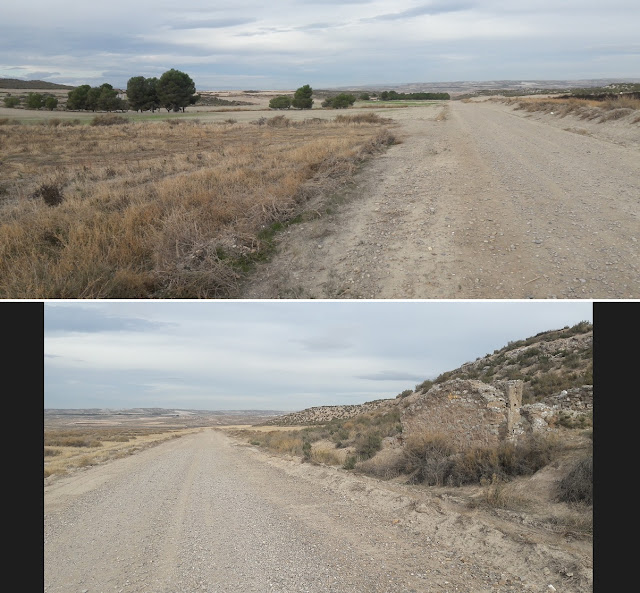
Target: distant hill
(14,83)
(469,88)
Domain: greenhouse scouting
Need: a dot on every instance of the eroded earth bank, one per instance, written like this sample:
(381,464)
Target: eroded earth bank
(205,513)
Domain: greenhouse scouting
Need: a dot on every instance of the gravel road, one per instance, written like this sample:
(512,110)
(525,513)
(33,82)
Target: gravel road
(201,513)
(479,201)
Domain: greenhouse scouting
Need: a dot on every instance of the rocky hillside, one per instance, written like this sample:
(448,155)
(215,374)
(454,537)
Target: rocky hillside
(553,365)
(547,363)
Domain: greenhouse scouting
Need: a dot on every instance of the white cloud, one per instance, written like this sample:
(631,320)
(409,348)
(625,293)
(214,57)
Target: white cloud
(308,353)
(279,45)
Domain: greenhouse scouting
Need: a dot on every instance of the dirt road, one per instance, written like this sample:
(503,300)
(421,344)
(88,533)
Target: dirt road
(487,202)
(201,513)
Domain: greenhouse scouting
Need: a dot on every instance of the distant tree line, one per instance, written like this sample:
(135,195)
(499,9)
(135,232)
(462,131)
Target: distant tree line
(394,96)
(33,101)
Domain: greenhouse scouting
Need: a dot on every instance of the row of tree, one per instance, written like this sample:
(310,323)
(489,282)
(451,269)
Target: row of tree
(394,96)
(174,91)
(300,100)
(33,101)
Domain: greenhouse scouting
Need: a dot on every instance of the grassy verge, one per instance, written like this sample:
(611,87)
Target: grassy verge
(339,441)
(172,209)
(586,109)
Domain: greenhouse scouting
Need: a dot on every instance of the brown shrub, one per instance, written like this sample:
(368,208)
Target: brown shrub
(577,485)
(109,119)
(50,193)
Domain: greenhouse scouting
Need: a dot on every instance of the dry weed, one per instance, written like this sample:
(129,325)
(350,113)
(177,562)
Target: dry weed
(151,210)
(588,109)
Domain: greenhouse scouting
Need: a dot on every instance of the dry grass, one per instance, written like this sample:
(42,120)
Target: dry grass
(67,450)
(587,109)
(158,210)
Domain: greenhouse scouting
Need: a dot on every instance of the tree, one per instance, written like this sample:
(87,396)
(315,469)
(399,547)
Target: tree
(11,101)
(92,98)
(34,101)
(302,98)
(50,103)
(364,97)
(107,99)
(341,101)
(175,90)
(281,102)
(137,89)
(77,98)
(141,93)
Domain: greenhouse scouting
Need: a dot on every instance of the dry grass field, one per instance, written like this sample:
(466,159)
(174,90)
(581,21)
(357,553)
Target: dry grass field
(161,209)
(66,450)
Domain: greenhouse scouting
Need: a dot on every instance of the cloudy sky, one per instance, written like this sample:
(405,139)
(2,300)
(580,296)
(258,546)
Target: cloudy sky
(283,44)
(276,355)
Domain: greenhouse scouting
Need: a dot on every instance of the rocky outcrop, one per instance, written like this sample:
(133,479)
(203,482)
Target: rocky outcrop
(468,411)
(564,408)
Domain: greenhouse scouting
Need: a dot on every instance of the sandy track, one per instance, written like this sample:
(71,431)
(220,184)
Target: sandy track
(202,514)
(487,203)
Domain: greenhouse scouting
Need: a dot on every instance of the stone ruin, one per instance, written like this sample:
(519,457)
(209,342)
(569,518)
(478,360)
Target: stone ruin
(473,413)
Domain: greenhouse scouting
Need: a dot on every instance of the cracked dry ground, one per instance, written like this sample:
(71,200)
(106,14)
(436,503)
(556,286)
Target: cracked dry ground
(202,513)
(486,203)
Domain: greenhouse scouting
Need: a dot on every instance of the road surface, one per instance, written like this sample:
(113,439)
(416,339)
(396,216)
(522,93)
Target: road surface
(489,202)
(201,513)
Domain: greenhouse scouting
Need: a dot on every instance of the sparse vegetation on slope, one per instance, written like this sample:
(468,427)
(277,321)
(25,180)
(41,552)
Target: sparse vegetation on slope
(547,363)
(380,441)
(614,107)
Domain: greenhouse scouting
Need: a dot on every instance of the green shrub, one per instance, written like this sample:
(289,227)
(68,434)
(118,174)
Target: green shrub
(367,445)
(280,102)
(11,101)
(405,393)
(350,462)
(50,103)
(425,386)
(34,101)
(341,101)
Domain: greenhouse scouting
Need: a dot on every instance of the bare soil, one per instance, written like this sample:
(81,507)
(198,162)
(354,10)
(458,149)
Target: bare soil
(206,513)
(479,201)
